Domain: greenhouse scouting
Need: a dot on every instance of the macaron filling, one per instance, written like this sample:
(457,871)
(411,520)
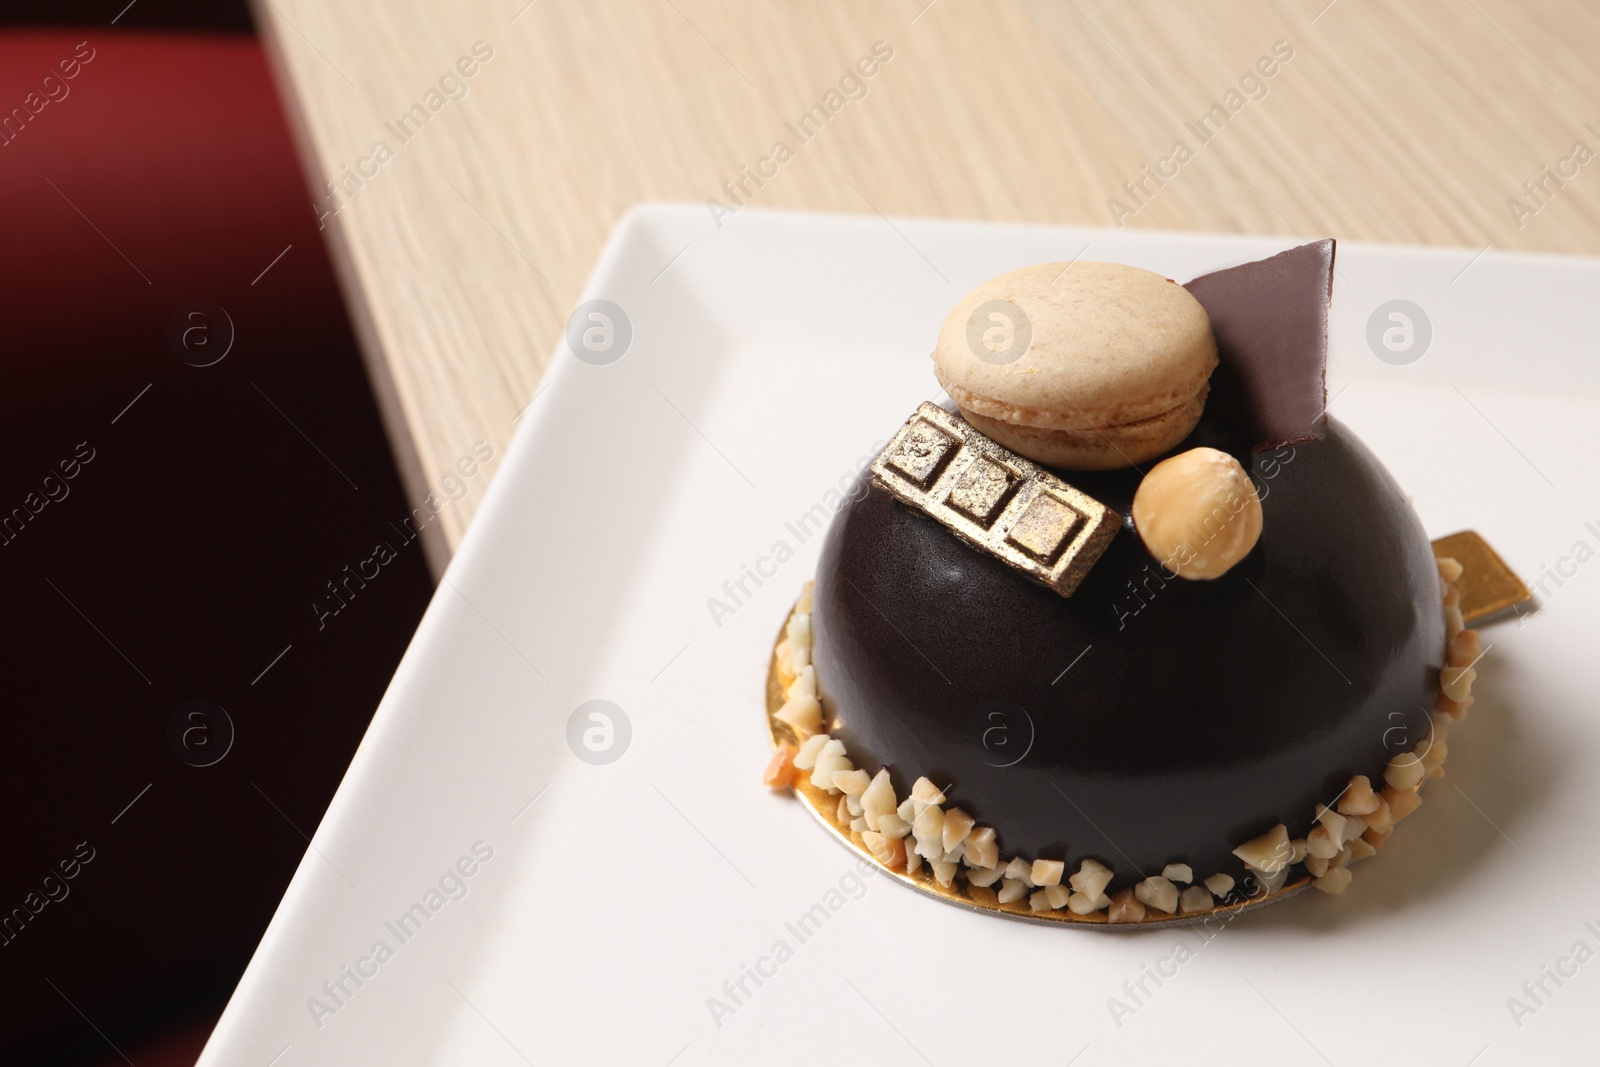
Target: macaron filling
(1077,421)
(1088,447)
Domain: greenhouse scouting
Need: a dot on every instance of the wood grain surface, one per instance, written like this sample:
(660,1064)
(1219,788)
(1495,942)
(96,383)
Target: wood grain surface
(465,246)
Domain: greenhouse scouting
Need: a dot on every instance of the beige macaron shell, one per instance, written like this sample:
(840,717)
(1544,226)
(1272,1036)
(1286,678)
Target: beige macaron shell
(1096,450)
(1112,345)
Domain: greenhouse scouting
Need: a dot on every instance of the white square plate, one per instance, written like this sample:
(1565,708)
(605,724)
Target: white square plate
(619,903)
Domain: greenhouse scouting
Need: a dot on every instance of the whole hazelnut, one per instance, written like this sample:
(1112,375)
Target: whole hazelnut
(1198,513)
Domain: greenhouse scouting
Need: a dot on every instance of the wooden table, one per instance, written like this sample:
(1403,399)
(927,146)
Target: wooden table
(464,247)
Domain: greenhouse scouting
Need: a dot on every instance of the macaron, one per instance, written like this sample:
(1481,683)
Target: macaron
(1080,366)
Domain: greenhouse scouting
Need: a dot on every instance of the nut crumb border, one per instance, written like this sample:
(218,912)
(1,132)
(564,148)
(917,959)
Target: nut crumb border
(927,842)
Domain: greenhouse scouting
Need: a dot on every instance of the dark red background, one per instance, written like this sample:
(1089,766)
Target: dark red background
(194,541)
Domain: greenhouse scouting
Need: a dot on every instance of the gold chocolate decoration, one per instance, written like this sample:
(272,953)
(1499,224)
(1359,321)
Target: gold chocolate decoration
(1490,590)
(994,499)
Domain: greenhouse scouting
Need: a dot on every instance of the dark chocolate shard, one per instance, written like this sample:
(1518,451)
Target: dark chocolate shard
(1271,322)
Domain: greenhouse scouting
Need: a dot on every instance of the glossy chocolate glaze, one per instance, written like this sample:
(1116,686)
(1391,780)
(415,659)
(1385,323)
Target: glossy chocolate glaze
(1194,715)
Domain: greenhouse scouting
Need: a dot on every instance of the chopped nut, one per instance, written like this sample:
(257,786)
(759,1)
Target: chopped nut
(892,825)
(799,630)
(1381,819)
(1321,843)
(853,804)
(983,877)
(1456,710)
(1434,755)
(923,793)
(806,758)
(1354,827)
(1449,569)
(981,848)
(1057,895)
(889,851)
(1158,893)
(1220,885)
(1267,884)
(1456,682)
(1021,870)
(804,684)
(782,654)
(1452,596)
(1342,859)
(1181,873)
(780,769)
(799,658)
(1079,904)
(858,824)
(842,813)
(878,799)
(802,714)
(851,783)
(957,825)
(913,861)
(1268,853)
(943,873)
(929,832)
(1297,850)
(1358,799)
(907,810)
(1091,879)
(1047,872)
(830,759)
(1402,802)
(1453,623)
(1465,648)
(1012,889)
(1331,819)
(1360,850)
(1440,723)
(1376,838)
(1125,908)
(1039,900)
(1194,899)
(804,603)
(1317,865)
(1336,881)
(1404,771)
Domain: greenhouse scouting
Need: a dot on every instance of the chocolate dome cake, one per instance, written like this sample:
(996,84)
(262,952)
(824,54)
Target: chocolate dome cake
(1130,630)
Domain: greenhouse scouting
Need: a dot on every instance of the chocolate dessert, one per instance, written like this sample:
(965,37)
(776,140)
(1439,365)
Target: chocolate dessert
(1131,629)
